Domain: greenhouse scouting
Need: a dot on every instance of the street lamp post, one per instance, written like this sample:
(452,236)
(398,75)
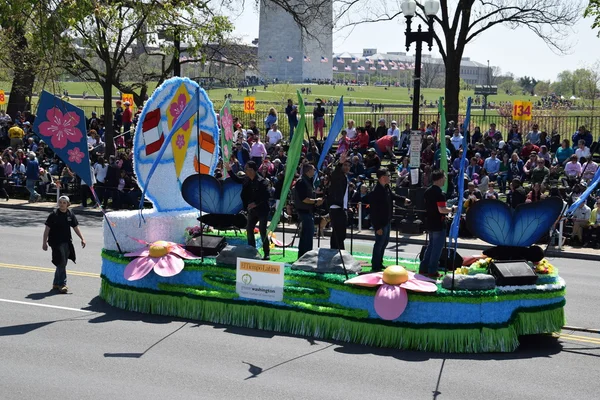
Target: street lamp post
(409,8)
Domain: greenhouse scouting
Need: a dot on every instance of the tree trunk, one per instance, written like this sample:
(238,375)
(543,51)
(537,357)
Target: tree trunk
(452,88)
(24,75)
(108,118)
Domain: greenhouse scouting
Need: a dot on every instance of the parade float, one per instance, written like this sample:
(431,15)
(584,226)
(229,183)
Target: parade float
(147,268)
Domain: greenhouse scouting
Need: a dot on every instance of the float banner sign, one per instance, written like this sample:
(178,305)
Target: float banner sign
(415,156)
(259,280)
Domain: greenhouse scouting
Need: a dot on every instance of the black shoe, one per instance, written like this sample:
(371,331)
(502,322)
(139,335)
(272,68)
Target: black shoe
(266,258)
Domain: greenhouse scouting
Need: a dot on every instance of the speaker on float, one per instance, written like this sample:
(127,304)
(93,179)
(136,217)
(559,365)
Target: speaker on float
(209,246)
(512,273)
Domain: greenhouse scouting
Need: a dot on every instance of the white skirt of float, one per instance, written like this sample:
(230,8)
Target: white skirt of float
(169,226)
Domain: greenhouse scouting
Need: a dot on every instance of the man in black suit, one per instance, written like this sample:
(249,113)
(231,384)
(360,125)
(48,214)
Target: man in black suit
(337,199)
(255,197)
(382,201)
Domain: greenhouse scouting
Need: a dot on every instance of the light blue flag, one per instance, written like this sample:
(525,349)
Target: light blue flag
(461,181)
(585,194)
(334,130)
(189,111)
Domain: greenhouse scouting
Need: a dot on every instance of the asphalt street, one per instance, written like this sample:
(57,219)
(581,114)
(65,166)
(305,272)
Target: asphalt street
(76,347)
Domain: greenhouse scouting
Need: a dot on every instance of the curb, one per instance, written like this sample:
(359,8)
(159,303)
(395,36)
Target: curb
(358,236)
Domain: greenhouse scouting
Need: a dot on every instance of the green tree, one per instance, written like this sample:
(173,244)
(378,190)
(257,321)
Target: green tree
(593,11)
(510,86)
(564,84)
(109,42)
(542,88)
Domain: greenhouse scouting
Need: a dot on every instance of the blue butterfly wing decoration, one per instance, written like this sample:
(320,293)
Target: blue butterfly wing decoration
(495,222)
(217,197)
(490,221)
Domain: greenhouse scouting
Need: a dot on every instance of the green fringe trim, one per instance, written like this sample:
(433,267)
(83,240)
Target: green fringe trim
(305,323)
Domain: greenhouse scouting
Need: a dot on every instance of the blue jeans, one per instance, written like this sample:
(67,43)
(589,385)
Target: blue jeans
(292,129)
(431,258)
(306,232)
(502,178)
(30,184)
(381,242)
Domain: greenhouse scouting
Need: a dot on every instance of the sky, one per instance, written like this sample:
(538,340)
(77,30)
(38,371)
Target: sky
(518,51)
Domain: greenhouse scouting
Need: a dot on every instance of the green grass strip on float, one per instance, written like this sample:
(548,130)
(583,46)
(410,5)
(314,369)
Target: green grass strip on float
(260,316)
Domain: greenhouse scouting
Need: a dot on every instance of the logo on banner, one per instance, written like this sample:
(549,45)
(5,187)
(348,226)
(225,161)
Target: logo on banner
(259,280)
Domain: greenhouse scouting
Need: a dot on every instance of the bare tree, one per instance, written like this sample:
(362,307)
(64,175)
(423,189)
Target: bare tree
(464,20)
(432,73)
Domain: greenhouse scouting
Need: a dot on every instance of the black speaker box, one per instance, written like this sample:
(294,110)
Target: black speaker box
(512,273)
(209,245)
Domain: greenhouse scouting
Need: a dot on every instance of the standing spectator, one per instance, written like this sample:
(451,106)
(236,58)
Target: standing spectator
(435,207)
(270,119)
(3,192)
(381,216)
(258,151)
(85,191)
(381,130)
(16,134)
(292,113)
(57,235)
(100,170)
(111,183)
(118,118)
(370,130)
(255,197)
(305,202)
(319,119)
(127,118)
(33,175)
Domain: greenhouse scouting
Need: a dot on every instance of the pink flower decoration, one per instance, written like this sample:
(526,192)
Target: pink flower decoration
(177,108)
(180,141)
(165,258)
(391,299)
(227,124)
(226,152)
(62,128)
(76,155)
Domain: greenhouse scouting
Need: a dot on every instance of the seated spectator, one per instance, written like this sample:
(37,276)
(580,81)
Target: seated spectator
(593,229)
(536,194)
(427,155)
(528,149)
(266,169)
(357,167)
(473,191)
(530,165)
(491,193)
(572,172)
(66,176)
(351,130)
(473,168)
(18,172)
(544,140)
(381,130)
(361,197)
(476,137)
(403,179)
(545,154)
(503,174)
(517,194)
(540,174)
(362,140)
(372,162)
(564,152)
(514,139)
(534,135)
(313,155)
(582,150)
(457,140)
(492,165)
(274,136)
(581,220)
(493,133)
(484,181)
(588,169)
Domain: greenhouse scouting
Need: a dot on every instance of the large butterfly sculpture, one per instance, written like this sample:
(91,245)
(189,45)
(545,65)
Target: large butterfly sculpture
(220,200)
(513,231)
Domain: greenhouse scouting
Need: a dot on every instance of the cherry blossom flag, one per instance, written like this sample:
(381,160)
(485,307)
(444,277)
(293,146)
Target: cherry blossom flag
(63,128)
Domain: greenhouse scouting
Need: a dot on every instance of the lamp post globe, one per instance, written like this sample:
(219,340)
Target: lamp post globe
(409,8)
(431,7)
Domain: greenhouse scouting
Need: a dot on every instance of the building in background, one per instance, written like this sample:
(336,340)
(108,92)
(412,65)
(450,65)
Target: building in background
(286,53)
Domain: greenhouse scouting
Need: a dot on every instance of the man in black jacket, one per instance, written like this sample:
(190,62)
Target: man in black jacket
(255,197)
(382,202)
(338,202)
(305,201)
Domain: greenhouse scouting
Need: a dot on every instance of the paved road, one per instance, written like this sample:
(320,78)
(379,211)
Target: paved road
(75,347)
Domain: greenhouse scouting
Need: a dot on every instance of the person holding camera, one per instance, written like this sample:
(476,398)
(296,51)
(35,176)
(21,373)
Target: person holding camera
(305,202)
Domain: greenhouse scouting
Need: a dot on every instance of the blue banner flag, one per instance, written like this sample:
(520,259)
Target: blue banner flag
(594,182)
(334,130)
(63,128)
(461,180)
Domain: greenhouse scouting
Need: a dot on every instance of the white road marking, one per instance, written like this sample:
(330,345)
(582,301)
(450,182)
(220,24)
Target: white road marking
(44,305)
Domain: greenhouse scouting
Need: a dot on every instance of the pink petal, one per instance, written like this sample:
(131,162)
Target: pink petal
(183,253)
(419,286)
(139,268)
(139,253)
(368,280)
(412,275)
(169,265)
(53,113)
(390,301)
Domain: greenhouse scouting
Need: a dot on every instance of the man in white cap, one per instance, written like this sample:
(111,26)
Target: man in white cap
(57,235)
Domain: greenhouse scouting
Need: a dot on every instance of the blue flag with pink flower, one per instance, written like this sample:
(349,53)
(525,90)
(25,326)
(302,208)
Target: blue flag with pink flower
(63,128)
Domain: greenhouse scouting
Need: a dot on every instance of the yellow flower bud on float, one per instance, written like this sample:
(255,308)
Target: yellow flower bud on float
(395,275)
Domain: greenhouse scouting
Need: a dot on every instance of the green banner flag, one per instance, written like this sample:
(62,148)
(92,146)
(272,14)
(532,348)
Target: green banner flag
(442,136)
(293,158)
(227,138)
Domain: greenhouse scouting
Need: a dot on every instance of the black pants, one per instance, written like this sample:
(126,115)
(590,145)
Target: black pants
(339,222)
(85,193)
(253,218)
